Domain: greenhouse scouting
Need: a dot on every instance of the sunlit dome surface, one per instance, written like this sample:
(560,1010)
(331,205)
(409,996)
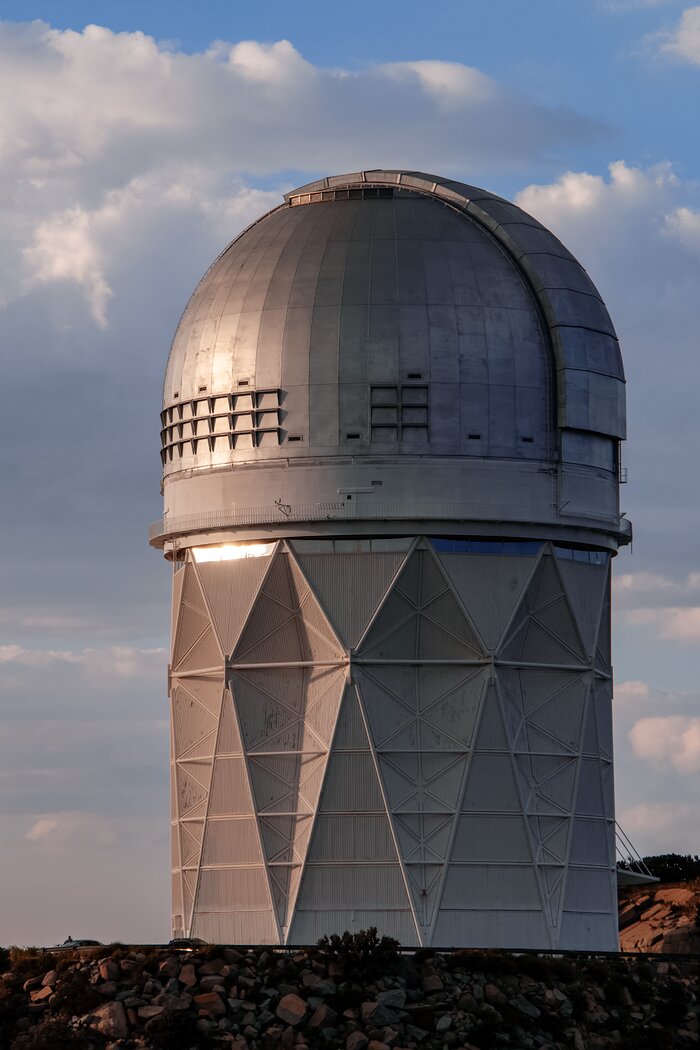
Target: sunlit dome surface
(391,311)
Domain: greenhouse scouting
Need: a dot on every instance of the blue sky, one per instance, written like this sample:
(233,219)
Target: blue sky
(132,153)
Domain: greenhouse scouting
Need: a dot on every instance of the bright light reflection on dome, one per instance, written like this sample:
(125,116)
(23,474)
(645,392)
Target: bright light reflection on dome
(232,551)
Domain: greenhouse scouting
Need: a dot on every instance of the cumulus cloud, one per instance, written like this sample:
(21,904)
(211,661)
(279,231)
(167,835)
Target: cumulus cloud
(649,582)
(75,830)
(75,189)
(120,661)
(661,827)
(683,42)
(673,623)
(633,229)
(673,740)
(624,6)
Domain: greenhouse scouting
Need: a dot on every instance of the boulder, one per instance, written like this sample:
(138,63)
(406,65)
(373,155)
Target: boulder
(109,971)
(145,1013)
(210,1003)
(110,1020)
(291,1009)
(187,975)
(356,1041)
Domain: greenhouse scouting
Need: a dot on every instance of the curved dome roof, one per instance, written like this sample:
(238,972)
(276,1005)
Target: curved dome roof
(390,312)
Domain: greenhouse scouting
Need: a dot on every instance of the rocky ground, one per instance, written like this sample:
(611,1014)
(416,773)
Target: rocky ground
(661,918)
(361,1000)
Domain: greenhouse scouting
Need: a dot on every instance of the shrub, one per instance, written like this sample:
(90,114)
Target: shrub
(674,867)
(74,993)
(174,1031)
(54,1034)
(363,953)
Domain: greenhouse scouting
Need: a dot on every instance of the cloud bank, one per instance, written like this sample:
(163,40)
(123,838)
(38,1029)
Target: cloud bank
(103,130)
(683,42)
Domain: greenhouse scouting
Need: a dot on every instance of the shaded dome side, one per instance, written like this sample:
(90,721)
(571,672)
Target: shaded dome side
(590,375)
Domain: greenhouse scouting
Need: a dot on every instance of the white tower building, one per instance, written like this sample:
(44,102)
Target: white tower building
(391,426)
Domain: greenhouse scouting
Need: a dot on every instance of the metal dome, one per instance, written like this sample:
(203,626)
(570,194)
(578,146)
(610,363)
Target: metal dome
(394,313)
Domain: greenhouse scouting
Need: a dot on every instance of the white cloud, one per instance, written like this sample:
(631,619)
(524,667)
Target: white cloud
(683,42)
(631,230)
(106,133)
(653,582)
(672,740)
(120,661)
(673,623)
(623,6)
(77,830)
(632,691)
(661,827)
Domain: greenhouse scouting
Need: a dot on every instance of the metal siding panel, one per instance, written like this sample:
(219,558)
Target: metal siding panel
(491,840)
(230,793)
(231,842)
(578,310)
(192,724)
(350,587)
(383,277)
(444,416)
(353,838)
(589,843)
(308,926)
(588,890)
(438,279)
(589,932)
(356,279)
(295,352)
(491,785)
(489,587)
(353,354)
(235,927)
(323,344)
(230,589)
(587,350)
(491,888)
(414,345)
(351,785)
(384,344)
(507,929)
(473,350)
(352,886)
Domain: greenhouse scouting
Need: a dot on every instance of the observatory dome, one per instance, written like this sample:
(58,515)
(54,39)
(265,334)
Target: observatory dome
(389,315)
(390,437)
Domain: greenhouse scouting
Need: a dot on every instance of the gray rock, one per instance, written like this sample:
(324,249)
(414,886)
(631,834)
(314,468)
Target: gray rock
(110,1020)
(527,1008)
(323,1017)
(395,998)
(356,1041)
